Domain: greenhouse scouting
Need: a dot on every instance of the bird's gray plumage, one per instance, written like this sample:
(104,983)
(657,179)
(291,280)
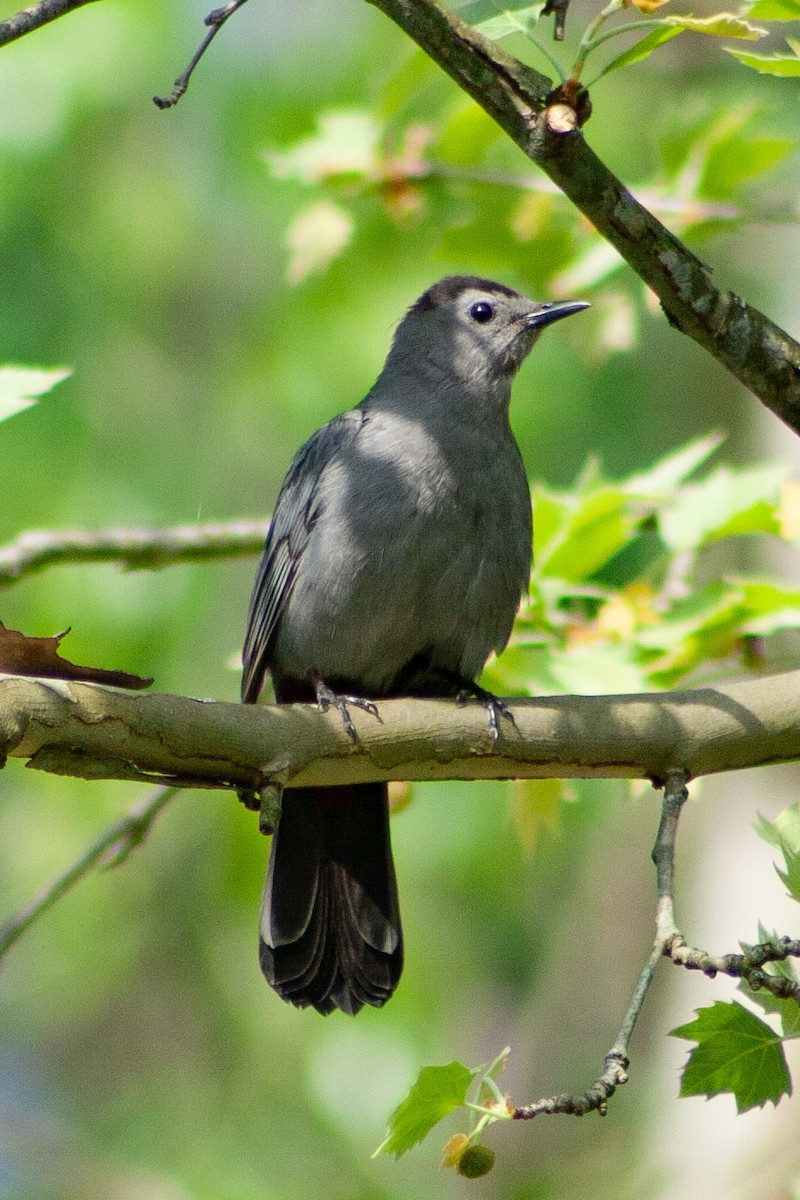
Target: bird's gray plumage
(399,549)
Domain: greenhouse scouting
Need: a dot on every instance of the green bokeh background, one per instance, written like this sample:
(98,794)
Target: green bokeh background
(141,1055)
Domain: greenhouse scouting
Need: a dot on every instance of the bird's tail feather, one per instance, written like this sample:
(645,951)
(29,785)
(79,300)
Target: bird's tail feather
(330,921)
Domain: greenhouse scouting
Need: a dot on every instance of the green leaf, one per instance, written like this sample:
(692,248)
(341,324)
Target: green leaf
(787,1010)
(768,607)
(775,10)
(784,830)
(498,19)
(673,469)
(727,503)
(784,65)
(486,1092)
(791,876)
(703,609)
(784,834)
(551,515)
(19,387)
(437,1091)
(596,530)
(736,1052)
(643,49)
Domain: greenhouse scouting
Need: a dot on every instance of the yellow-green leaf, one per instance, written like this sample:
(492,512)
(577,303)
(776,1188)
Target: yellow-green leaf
(775,10)
(316,236)
(437,1091)
(783,65)
(536,808)
(720,25)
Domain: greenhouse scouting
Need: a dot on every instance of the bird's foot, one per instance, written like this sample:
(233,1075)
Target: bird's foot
(495,707)
(327,698)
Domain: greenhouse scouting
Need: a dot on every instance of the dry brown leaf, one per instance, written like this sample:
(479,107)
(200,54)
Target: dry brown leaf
(23,655)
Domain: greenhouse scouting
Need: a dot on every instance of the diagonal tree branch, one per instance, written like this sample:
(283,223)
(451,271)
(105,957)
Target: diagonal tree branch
(760,354)
(34,17)
(93,732)
(134,549)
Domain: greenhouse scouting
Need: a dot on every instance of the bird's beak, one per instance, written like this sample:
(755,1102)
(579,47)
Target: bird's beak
(545,314)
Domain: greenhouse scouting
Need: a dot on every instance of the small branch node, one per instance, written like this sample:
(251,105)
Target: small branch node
(746,966)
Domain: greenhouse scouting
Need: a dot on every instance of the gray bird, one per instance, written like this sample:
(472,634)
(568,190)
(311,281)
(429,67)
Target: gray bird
(399,548)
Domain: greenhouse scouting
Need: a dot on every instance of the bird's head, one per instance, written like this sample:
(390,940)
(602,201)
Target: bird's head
(475,329)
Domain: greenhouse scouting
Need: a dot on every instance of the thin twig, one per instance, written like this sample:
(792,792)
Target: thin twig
(675,796)
(34,17)
(616,1062)
(688,210)
(594,1099)
(134,549)
(215,20)
(111,848)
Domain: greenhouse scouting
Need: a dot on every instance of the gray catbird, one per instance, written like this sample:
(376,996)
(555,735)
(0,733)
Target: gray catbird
(398,552)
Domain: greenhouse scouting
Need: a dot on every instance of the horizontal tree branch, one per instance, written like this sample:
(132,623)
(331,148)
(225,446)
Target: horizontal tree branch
(760,354)
(28,19)
(92,732)
(134,549)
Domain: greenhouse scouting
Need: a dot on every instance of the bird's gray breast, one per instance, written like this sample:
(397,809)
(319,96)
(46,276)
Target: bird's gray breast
(421,545)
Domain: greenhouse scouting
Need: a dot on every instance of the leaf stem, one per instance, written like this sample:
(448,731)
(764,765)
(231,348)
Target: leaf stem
(587,42)
(551,58)
(628,27)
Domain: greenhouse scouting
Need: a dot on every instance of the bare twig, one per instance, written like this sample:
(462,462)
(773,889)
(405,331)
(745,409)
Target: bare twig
(134,549)
(594,1099)
(37,15)
(215,20)
(110,849)
(675,796)
(616,1062)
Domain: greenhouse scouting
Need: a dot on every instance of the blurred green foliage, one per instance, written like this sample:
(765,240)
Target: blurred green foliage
(141,1054)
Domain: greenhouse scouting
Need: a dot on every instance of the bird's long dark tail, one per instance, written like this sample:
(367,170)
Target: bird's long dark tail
(330,921)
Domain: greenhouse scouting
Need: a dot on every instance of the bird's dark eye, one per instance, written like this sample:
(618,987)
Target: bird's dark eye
(481,312)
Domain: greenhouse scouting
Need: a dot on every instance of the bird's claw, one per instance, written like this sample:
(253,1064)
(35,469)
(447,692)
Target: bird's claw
(495,707)
(327,698)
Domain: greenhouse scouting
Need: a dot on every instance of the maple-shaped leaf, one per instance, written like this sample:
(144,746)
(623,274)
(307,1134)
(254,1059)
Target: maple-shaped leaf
(736,1052)
(437,1091)
(38,656)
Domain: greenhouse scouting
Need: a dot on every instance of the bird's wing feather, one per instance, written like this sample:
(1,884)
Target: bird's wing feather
(296,512)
